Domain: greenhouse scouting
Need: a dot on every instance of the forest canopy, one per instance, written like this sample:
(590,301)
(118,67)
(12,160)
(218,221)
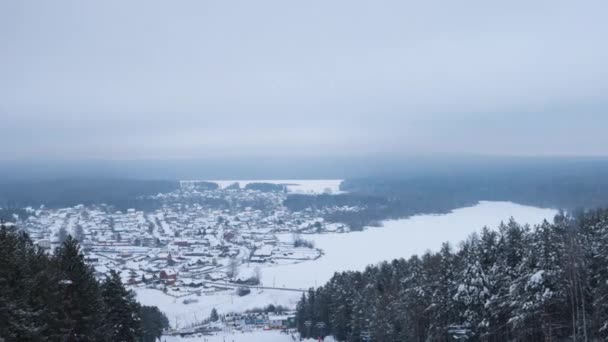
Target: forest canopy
(518,283)
(57,297)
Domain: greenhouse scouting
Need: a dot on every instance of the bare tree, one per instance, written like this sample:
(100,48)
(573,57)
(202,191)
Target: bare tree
(257,274)
(233,269)
(79,233)
(62,234)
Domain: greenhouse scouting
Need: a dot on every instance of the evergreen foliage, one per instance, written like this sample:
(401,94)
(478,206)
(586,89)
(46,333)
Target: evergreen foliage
(80,294)
(518,283)
(121,317)
(57,298)
(214,317)
(153,323)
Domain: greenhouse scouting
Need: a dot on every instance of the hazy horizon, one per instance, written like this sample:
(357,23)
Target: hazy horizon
(295,167)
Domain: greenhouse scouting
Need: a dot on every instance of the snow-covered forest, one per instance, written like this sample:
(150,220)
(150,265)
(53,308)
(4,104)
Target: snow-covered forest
(519,283)
(57,298)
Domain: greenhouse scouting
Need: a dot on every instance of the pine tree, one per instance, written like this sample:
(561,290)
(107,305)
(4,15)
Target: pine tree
(301,314)
(309,311)
(81,309)
(386,306)
(415,299)
(595,226)
(153,322)
(17,317)
(58,298)
(340,305)
(363,313)
(213,317)
(510,250)
(46,295)
(473,291)
(121,316)
(441,310)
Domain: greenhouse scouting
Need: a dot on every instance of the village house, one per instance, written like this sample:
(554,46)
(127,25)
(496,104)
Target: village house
(168,277)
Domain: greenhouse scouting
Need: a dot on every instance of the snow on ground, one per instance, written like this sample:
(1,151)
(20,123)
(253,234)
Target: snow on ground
(350,251)
(183,315)
(152,219)
(317,186)
(166,227)
(396,239)
(256,336)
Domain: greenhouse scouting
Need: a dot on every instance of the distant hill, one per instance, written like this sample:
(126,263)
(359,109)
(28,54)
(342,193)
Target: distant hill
(122,193)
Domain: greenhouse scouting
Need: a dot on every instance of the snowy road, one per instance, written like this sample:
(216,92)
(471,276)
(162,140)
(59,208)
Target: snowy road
(254,287)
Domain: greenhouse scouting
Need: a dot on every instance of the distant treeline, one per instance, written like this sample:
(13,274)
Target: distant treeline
(203,185)
(547,283)
(370,208)
(258,186)
(373,208)
(380,198)
(57,298)
(120,193)
(555,188)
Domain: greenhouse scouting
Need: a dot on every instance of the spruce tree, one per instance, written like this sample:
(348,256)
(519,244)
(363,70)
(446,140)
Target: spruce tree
(121,317)
(153,322)
(340,305)
(57,298)
(17,317)
(213,317)
(441,312)
(82,308)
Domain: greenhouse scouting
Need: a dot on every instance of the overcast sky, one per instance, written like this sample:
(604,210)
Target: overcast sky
(193,79)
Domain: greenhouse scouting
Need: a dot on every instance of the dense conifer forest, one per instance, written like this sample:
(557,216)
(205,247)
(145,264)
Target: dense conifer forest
(516,283)
(563,186)
(57,298)
(60,193)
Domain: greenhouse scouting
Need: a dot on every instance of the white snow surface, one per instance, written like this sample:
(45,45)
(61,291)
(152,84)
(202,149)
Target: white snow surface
(307,186)
(351,251)
(397,239)
(183,315)
(256,336)
(536,278)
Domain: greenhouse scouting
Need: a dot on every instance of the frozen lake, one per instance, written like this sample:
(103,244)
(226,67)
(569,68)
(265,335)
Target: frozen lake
(396,239)
(350,251)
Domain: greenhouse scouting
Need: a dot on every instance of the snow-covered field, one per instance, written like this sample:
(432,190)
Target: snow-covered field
(317,186)
(351,251)
(183,315)
(256,336)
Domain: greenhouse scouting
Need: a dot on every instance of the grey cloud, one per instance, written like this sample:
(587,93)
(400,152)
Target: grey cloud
(188,79)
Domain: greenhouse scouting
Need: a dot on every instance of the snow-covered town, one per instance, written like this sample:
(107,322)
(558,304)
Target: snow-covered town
(229,261)
(200,240)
